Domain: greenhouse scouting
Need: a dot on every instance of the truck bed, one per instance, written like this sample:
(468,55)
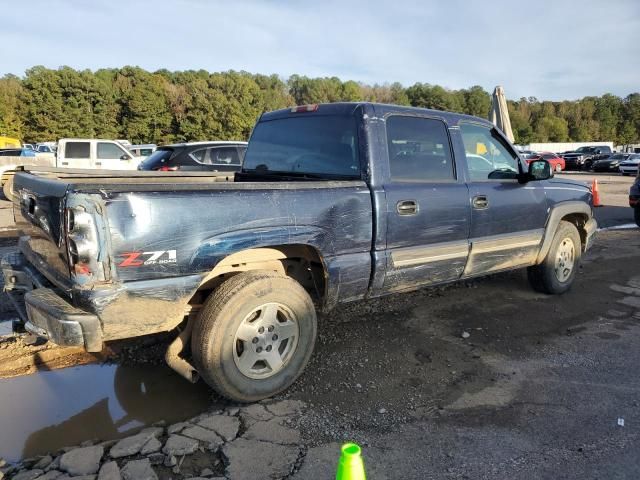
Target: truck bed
(90,181)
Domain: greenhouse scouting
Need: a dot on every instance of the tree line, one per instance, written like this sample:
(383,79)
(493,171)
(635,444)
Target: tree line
(161,107)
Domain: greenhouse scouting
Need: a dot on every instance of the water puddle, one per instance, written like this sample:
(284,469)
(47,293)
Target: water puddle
(46,411)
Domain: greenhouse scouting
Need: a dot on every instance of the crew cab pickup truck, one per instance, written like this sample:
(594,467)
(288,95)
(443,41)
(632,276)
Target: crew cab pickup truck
(335,203)
(584,157)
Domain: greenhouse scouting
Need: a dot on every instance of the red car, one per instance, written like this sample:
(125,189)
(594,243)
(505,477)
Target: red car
(557,163)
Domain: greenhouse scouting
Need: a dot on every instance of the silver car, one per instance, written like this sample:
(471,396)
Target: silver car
(630,165)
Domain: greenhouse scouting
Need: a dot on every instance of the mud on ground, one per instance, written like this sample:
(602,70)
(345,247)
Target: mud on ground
(459,373)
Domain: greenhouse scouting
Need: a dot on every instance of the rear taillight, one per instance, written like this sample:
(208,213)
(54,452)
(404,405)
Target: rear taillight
(82,245)
(167,169)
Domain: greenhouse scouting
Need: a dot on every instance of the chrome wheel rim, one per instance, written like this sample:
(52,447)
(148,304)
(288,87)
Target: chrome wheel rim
(265,341)
(565,260)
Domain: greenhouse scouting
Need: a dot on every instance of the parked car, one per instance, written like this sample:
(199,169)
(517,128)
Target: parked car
(197,157)
(557,163)
(333,204)
(10,158)
(583,157)
(142,151)
(630,165)
(634,200)
(17,152)
(609,164)
(526,154)
(41,148)
(84,153)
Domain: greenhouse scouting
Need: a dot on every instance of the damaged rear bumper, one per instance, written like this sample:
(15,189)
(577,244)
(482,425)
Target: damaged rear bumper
(44,311)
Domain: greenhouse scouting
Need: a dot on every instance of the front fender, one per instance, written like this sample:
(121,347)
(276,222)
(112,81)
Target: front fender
(558,212)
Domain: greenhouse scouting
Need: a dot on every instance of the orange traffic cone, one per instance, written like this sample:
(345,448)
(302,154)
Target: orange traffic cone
(596,193)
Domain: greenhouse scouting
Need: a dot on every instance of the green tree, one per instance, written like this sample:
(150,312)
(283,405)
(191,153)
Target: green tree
(477,101)
(11,91)
(552,129)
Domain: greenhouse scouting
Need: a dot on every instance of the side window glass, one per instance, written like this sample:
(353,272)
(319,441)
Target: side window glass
(487,157)
(109,151)
(419,150)
(224,156)
(199,155)
(77,150)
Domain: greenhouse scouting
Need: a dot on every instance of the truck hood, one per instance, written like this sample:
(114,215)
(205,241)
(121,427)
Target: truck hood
(585,184)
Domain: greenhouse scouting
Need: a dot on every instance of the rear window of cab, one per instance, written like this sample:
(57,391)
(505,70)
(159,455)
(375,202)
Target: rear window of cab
(317,145)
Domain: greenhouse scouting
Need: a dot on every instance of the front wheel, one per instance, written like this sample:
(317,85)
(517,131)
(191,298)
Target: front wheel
(636,215)
(558,168)
(558,270)
(7,189)
(254,335)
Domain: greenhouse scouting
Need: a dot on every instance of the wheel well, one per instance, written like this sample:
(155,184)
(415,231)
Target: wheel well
(579,220)
(300,262)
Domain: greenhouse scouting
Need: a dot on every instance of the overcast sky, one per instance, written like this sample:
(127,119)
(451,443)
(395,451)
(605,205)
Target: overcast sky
(562,49)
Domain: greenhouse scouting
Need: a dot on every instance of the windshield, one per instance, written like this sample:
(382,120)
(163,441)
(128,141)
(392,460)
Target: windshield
(616,157)
(314,145)
(156,159)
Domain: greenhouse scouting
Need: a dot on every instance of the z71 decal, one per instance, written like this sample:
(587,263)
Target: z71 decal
(138,259)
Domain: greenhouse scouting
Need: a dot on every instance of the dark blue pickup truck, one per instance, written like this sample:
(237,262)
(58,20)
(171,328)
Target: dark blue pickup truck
(335,203)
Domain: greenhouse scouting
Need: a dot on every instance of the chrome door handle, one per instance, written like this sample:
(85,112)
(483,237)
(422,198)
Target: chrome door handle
(407,207)
(480,202)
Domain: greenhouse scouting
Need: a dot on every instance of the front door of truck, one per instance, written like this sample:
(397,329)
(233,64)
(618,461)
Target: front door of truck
(507,217)
(427,205)
(113,156)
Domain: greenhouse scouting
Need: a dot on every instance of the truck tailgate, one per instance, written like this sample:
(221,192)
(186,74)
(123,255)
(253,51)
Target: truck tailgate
(39,214)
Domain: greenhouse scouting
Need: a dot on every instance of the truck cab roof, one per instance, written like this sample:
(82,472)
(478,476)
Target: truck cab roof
(349,108)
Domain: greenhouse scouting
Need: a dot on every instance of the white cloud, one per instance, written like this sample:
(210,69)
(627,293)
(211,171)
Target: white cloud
(549,49)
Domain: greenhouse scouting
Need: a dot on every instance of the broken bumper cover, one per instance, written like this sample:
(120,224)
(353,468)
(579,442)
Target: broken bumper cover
(45,312)
(52,317)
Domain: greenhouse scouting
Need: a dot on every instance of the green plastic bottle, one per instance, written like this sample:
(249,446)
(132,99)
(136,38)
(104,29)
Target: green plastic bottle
(351,466)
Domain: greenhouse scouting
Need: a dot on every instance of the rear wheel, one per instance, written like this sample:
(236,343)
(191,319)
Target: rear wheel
(636,215)
(558,270)
(254,336)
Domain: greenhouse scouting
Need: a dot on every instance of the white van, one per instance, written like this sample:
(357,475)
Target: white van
(94,154)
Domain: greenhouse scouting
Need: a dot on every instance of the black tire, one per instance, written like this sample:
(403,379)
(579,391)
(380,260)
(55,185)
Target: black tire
(543,277)
(215,346)
(636,215)
(7,189)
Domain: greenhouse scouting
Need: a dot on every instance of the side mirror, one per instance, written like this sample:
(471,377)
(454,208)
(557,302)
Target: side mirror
(539,170)
(124,157)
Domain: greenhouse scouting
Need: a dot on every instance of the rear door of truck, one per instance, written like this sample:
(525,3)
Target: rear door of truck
(427,211)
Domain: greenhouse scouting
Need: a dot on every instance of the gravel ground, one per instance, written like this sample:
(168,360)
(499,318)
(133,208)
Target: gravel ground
(485,379)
